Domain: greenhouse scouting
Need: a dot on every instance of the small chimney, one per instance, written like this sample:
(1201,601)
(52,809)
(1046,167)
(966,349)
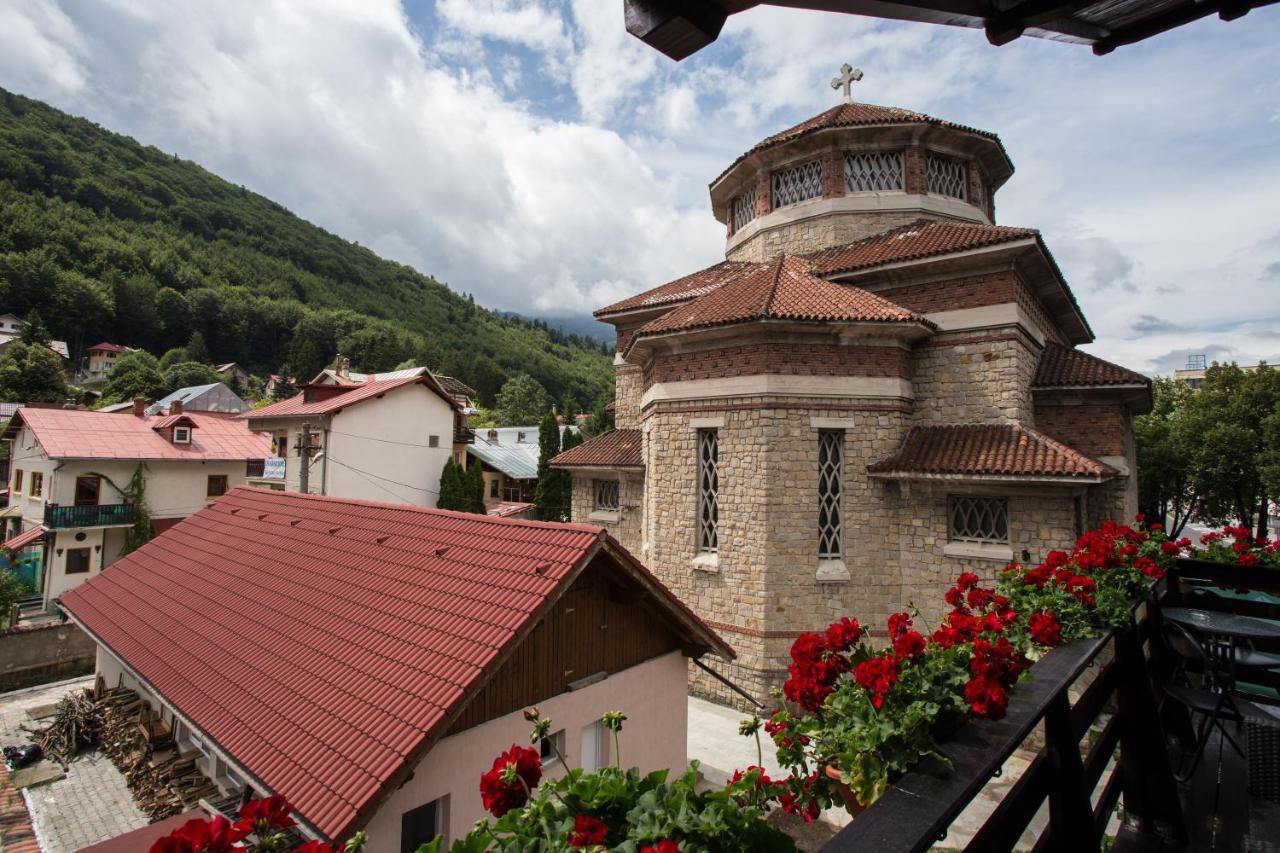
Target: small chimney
(175,407)
(139,406)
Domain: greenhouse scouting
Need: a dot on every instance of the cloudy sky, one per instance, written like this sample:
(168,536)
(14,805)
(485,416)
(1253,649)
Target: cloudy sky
(532,153)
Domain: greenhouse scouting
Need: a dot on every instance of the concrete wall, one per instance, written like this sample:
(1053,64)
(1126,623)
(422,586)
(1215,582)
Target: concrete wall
(36,654)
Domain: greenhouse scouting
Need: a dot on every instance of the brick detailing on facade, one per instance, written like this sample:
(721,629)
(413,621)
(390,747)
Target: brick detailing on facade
(794,359)
(1095,430)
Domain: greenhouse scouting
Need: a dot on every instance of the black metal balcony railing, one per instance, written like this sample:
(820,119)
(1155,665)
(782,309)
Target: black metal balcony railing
(99,515)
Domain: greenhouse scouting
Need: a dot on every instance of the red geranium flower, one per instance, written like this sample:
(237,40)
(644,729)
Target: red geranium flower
(843,635)
(501,796)
(877,676)
(910,644)
(320,847)
(201,836)
(899,624)
(986,698)
(1248,560)
(664,846)
(1044,629)
(587,831)
(265,815)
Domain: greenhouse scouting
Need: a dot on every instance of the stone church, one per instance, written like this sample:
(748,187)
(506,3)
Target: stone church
(877,389)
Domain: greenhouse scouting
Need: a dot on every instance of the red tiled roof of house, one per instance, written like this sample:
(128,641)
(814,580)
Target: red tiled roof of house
(77,434)
(782,289)
(987,450)
(856,115)
(298,405)
(107,347)
(921,239)
(619,448)
(1065,367)
(325,644)
(685,287)
(16,832)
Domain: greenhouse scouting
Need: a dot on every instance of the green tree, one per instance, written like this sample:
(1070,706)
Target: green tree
(136,374)
(196,349)
(521,400)
(1166,489)
(552,494)
(475,488)
(12,591)
(451,487)
(600,422)
(34,330)
(32,373)
(184,374)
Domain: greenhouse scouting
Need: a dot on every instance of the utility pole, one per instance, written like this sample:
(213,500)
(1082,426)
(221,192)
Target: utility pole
(304,454)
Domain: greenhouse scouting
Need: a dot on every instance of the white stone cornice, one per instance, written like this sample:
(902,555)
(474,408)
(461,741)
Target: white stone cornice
(780,385)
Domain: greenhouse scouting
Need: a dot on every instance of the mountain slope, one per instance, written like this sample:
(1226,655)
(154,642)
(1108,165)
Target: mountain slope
(111,239)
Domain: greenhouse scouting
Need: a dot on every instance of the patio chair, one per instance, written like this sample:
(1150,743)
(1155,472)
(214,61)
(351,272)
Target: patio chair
(1214,700)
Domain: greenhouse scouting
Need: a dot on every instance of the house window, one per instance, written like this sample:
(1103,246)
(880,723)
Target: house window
(37,484)
(77,561)
(512,492)
(708,490)
(182,435)
(593,756)
(874,171)
(606,492)
(796,184)
(87,489)
(830,485)
(493,487)
(743,209)
(419,826)
(551,747)
(216,486)
(946,176)
(977,519)
(433,441)
(17,481)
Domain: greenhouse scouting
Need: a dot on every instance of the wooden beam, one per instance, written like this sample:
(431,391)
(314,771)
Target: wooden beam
(677,28)
(1008,24)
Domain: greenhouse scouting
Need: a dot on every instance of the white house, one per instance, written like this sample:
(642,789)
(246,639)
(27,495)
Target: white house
(70,481)
(102,358)
(368,661)
(378,440)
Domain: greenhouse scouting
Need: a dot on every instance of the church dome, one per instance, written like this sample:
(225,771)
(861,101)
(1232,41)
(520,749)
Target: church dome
(854,171)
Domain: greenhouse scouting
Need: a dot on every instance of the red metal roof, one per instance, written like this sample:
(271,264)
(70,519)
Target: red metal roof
(1000,450)
(325,643)
(167,421)
(77,434)
(921,239)
(782,289)
(1064,367)
(617,449)
(298,405)
(23,539)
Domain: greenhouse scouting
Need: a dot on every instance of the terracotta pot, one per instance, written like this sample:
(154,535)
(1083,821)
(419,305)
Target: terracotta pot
(850,800)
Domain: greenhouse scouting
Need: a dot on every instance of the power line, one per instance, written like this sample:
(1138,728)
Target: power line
(367,474)
(384,440)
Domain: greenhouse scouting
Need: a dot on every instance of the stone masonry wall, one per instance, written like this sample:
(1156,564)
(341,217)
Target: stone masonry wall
(779,358)
(821,232)
(627,525)
(627,393)
(975,377)
(1040,519)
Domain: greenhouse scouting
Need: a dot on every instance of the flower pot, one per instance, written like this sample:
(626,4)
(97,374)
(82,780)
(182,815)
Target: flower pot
(850,800)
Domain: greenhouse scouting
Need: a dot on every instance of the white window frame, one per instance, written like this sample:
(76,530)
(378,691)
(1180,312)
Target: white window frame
(743,208)
(182,435)
(874,171)
(947,176)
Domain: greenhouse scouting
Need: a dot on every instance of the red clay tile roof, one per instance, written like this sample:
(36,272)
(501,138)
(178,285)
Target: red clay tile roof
(23,539)
(921,239)
(297,404)
(980,450)
(782,289)
(106,347)
(323,643)
(77,434)
(617,449)
(857,115)
(687,287)
(508,509)
(1064,367)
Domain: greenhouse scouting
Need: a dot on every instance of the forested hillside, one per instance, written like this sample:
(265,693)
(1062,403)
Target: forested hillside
(110,239)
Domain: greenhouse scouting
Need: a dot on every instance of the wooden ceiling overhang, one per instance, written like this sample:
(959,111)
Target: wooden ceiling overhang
(679,28)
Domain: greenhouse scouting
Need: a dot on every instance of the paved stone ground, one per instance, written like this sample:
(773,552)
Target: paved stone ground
(715,742)
(91,804)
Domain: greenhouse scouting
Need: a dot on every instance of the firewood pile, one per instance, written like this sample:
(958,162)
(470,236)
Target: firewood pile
(75,727)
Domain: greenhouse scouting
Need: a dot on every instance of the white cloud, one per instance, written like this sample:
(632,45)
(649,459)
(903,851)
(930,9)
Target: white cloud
(40,49)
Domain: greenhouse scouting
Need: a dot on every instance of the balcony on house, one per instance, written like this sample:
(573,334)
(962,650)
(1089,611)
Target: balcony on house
(94,515)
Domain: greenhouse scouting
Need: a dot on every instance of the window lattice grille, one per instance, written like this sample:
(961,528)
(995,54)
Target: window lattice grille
(708,489)
(606,494)
(830,485)
(976,519)
(744,208)
(946,177)
(797,183)
(872,172)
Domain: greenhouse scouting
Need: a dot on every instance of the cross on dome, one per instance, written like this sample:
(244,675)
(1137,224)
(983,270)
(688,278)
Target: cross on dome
(848,76)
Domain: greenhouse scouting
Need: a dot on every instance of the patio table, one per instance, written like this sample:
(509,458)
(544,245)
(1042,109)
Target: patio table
(1220,624)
